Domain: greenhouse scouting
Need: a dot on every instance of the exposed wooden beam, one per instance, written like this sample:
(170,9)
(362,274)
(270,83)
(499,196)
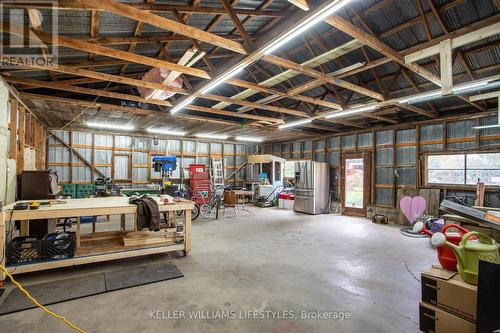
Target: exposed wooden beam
(236,22)
(60,5)
(233,114)
(251,104)
(105,51)
(272,91)
(108,77)
(302,4)
(371,41)
(81,90)
(326,78)
(160,22)
(83,103)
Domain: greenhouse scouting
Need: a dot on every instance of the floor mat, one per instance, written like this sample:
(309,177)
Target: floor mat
(77,287)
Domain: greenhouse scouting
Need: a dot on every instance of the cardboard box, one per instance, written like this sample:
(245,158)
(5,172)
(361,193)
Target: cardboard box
(447,291)
(434,320)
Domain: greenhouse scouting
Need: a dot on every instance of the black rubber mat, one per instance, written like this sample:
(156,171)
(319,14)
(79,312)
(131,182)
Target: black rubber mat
(83,286)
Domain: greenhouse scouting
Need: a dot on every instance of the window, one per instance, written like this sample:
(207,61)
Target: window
(464,169)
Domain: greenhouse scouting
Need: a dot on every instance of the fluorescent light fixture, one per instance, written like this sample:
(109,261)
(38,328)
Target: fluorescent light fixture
(469,86)
(221,79)
(486,127)
(311,21)
(182,104)
(421,97)
(165,131)
(248,139)
(212,136)
(347,112)
(111,126)
(295,123)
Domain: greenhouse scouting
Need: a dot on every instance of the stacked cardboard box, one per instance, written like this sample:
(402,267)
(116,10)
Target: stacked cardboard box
(448,303)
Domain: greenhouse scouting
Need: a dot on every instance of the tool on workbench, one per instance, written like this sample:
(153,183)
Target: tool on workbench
(166,165)
(34,205)
(104,187)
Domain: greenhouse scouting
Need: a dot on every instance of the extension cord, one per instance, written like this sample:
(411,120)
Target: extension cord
(34,301)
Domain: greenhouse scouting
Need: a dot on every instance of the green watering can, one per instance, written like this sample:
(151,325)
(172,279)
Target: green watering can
(469,252)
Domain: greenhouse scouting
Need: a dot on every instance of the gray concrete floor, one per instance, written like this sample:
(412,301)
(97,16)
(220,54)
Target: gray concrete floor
(275,260)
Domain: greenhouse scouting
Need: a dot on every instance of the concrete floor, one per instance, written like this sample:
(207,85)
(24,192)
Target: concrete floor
(274,260)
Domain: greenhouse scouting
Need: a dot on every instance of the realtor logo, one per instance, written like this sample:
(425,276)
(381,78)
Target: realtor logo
(28,32)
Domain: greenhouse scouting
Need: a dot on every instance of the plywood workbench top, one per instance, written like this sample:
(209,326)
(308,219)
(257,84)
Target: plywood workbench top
(90,206)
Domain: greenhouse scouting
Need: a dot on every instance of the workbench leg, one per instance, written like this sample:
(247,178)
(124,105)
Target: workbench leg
(187,231)
(135,222)
(123,221)
(93,225)
(78,220)
(2,246)
(25,228)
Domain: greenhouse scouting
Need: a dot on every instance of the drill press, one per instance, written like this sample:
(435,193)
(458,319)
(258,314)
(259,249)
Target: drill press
(166,165)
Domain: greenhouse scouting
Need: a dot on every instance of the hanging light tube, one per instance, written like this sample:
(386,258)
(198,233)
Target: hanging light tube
(248,139)
(182,104)
(165,131)
(311,21)
(295,123)
(111,126)
(212,136)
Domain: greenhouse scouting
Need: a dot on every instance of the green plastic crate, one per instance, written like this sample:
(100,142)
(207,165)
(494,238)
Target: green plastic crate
(68,190)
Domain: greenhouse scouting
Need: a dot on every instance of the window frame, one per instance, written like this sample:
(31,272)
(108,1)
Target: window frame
(455,185)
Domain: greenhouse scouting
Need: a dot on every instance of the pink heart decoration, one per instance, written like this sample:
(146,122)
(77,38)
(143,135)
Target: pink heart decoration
(412,207)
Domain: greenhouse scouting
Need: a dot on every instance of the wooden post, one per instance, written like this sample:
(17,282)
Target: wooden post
(20,155)
(25,228)
(13,129)
(2,245)
(78,223)
(187,230)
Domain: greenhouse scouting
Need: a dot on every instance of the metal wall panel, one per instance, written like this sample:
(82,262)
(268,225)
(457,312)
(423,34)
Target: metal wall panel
(333,143)
(141,143)
(458,130)
(384,156)
(123,141)
(202,148)
(103,140)
(215,148)
(365,139)
(384,196)
(140,174)
(407,135)
(189,147)
(384,176)
(102,156)
(348,141)
(82,138)
(333,158)
(433,132)
(174,146)
(383,137)
(139,158)
(406,155)
(121,167)
(406,176)
(81,174)
(489,132)
(160,146)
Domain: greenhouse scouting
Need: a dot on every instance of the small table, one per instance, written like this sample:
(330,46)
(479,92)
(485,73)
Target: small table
(242,194)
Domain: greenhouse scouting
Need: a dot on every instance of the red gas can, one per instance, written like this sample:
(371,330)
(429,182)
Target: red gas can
(446,256)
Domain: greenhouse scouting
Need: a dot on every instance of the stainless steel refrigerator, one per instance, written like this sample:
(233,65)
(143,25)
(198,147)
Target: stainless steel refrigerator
(312,187)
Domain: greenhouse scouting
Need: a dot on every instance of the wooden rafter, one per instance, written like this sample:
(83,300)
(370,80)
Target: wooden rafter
(105,51)
(160,22)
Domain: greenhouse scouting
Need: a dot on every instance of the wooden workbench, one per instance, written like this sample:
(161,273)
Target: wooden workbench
(95,246)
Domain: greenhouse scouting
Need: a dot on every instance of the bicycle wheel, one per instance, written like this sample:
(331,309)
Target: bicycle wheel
(195,212)
(206,211)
